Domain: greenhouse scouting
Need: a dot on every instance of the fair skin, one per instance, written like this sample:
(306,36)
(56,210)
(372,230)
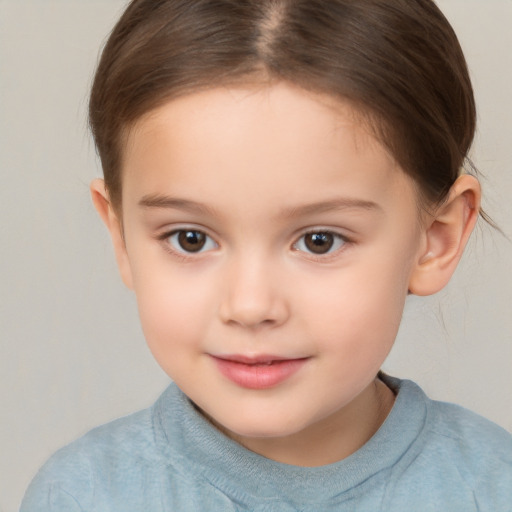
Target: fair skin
(271,242)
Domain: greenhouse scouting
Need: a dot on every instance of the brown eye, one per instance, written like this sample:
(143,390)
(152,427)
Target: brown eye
(190,241)
(319,242)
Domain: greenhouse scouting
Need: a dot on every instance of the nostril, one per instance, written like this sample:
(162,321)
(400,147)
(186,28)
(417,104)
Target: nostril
(254,315)
(251,321)
(251,298)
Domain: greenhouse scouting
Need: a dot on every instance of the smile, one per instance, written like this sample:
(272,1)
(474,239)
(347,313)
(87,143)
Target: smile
(261,372)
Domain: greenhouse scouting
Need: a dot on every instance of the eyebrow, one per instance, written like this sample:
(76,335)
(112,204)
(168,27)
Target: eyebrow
(340,203)
(175,203)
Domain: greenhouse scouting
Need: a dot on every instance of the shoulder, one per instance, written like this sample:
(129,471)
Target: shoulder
(456,428)
(69,479)
(455,458)
(471,450)
(474,439)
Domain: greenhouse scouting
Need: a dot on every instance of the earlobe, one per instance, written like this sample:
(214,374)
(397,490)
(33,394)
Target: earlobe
(445,237)
(106,211)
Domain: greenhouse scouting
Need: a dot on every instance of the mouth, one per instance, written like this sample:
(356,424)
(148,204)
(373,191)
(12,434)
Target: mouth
(258,372)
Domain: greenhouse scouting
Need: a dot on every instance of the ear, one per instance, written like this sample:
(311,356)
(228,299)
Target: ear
(445,237)
(107,213)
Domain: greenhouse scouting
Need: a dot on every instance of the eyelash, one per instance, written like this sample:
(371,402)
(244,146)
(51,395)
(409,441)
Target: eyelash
(175,248)
(338,241)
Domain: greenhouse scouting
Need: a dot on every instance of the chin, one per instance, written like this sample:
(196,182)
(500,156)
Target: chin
(264,428)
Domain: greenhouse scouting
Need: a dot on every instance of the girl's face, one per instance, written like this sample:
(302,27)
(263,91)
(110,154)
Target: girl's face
(270,240)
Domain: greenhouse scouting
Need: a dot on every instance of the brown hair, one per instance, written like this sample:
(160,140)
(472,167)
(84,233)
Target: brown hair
(398,61)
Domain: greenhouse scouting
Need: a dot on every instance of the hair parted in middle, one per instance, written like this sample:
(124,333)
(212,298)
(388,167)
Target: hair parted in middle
(397,61)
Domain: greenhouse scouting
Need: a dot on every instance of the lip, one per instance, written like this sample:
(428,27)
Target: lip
(258,372)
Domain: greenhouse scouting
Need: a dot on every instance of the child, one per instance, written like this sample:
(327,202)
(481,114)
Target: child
(279,176)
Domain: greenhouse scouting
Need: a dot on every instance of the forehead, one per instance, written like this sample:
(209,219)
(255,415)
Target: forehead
(275,142)
(255,107)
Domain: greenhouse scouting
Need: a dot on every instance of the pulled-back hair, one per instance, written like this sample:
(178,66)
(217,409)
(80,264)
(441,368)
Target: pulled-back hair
(397,61)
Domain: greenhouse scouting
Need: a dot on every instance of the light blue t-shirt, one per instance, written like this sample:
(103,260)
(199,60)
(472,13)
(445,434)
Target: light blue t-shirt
(427,456)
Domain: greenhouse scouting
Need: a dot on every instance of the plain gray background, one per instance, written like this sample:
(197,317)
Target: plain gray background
(72,353)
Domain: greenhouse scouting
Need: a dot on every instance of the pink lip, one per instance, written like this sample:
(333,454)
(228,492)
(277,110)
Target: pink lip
(260,372)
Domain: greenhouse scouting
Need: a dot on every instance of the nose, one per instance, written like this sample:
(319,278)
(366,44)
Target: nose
(253,295)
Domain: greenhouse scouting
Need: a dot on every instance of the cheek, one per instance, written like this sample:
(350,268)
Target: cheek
(174,310)
(357,312)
